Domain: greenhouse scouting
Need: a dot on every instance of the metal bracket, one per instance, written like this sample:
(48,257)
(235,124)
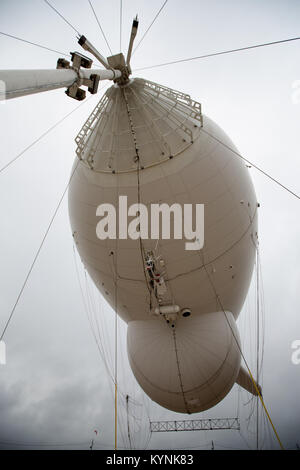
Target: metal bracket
(117,62)
(93,88)
(62,64)
(79,60)
(75,92)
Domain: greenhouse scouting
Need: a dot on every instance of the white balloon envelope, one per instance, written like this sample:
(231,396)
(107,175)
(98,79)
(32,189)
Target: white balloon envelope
(150,145)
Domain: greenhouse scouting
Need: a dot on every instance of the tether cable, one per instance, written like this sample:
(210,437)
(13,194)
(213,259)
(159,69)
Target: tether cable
(242,355)
(138,169)
(213,54)
(250,163)
(97,19)
(43,135)
(34,44)
(156,16)
(66,21)
(37,253)
(121,14)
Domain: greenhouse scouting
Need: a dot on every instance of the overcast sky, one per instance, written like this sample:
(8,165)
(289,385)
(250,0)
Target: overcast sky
(54,388)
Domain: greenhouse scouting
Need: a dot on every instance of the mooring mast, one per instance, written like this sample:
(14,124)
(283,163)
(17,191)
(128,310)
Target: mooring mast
(71,75)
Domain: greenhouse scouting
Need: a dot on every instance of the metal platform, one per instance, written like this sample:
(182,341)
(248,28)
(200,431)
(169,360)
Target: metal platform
(166,122)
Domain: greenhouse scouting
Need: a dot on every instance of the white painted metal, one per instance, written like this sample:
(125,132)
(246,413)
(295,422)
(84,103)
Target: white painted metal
(85,43)
(132,38)
(189,364)
(15,83)
(166,123)
(27,82)
(167,309)
(110,74)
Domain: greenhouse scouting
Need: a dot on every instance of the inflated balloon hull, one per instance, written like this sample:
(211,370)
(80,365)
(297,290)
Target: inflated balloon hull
(191,363)
(189,369)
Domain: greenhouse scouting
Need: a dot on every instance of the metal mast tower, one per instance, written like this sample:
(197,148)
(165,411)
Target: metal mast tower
(73,76)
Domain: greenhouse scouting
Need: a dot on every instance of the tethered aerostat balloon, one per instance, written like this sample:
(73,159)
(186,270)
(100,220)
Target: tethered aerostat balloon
(154,146)
(147,145)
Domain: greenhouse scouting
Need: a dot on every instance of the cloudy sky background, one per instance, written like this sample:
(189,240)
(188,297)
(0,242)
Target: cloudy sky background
(54,389)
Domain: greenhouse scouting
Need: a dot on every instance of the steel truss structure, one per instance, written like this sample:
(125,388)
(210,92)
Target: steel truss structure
(195,425)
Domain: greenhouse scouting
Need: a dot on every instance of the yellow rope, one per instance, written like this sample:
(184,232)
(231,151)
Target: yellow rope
(263,404)
(251,376)
(116,416)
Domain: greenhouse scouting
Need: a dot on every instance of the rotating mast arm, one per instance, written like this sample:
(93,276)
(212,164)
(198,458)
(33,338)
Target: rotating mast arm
(15,83)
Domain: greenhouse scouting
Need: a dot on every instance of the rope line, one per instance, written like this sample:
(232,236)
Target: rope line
(250,163)
(179,373)
(43,135)
(37,253)
(66,21)
(40,45)
(242,355)
(121,12)
(88,312)
(213,54)
(100,330)
(33,44)
(115,259)
(97,19)
(156,16)
(137,158)
(257,345)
